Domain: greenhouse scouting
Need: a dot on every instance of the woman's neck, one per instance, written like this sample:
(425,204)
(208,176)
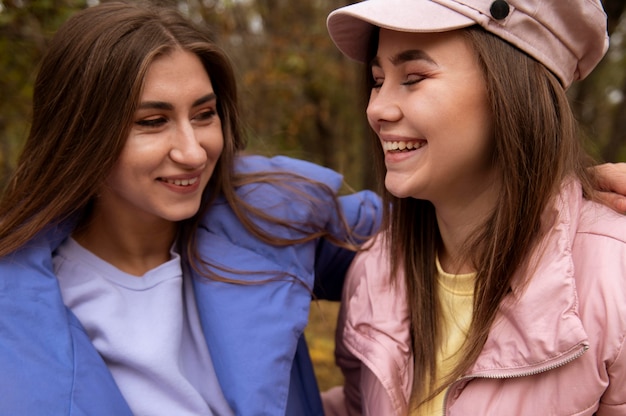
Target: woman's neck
(457,224)
(131,246)
(452,257)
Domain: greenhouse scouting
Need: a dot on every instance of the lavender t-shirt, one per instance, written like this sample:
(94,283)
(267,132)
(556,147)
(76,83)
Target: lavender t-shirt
(147,331)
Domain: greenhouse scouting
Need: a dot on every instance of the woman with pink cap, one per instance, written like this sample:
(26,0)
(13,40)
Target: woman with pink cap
(497,286)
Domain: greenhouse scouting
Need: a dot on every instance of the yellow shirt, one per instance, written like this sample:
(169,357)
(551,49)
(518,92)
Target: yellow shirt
(456,293)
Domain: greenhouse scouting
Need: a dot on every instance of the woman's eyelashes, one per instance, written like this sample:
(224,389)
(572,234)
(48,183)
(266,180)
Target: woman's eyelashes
(205,116)
(413,79)
(201,117)
(151,122)
(407,80)
(378,82)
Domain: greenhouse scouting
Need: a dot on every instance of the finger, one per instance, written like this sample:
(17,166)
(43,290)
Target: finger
(612,200)
(611,177)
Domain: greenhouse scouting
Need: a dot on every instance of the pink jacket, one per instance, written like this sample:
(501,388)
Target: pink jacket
(559,350)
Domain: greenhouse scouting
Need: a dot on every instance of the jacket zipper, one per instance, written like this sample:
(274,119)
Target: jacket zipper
(561,362)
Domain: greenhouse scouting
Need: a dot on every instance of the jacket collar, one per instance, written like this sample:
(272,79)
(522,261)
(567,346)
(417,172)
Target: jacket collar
(46,358)
(539,328)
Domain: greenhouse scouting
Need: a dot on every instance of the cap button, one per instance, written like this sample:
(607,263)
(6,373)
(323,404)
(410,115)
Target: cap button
(499,9)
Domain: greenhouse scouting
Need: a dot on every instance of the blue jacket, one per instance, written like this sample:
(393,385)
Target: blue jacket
(254,333)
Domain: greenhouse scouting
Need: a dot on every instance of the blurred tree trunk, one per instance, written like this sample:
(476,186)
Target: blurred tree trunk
(298,91)
(617,138)
(25,27)
(614,10)
(604,122)
(5,151)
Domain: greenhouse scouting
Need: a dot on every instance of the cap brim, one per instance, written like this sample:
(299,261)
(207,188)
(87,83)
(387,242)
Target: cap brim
(350,27)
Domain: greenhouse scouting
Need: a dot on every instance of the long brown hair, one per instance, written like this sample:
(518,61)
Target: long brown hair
(85,97)
(536,149)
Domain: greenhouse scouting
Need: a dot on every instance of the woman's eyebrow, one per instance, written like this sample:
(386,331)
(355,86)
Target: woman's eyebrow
(157,105)
(203,100)
(162,105)
(406,56)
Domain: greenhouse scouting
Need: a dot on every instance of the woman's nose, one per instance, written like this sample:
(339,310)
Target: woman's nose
(383,106)
(186,148)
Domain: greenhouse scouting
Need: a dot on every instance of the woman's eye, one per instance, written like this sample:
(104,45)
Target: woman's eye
(377,83)
(205,115)
(413,79)
(151,122)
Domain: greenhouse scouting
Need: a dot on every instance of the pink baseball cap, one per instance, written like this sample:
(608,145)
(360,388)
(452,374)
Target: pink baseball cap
(568,36)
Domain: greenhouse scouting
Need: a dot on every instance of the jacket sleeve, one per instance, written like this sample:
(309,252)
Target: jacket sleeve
(613,402)
(372,340)
(346,400)
(362,211)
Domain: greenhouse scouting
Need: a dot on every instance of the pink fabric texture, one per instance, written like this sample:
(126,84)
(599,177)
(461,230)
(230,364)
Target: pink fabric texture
(569,37)
(556,349)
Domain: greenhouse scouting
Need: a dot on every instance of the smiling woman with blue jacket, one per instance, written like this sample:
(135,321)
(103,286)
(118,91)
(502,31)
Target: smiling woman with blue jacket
(146,266)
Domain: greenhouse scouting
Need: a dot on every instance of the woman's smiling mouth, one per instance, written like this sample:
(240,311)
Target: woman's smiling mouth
(181,182)
(402,146)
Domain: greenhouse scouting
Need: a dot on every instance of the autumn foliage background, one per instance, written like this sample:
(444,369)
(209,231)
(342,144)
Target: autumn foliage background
(300,96)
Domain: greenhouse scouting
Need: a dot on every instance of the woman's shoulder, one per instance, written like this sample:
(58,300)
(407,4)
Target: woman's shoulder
(598,249)
(370,273)
(583,216)
(375,316)
(288,188)
(254,164)
(599,260)
(598,221)
(372,260)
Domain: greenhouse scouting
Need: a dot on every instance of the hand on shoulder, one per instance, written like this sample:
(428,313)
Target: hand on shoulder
(611,181)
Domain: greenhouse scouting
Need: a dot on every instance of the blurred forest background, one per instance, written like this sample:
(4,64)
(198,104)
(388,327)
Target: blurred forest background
(300,96)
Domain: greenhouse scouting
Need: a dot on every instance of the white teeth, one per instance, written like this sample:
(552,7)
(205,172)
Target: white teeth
(401,145)
(181,182)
